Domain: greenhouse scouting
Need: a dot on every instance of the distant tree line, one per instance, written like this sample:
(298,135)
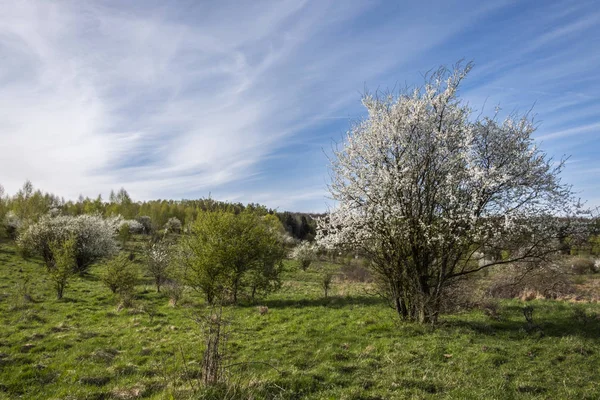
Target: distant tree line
(29,205)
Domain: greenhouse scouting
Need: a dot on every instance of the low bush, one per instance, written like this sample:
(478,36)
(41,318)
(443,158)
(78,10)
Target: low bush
(120,275)
(548,280)
(174,291)
(305,253)
(356,273)
(582,265)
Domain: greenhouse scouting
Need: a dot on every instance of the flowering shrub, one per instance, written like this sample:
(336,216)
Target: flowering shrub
(305,253)
(173,225)
(94,238)
(157,265)
(12,224)
(134,226)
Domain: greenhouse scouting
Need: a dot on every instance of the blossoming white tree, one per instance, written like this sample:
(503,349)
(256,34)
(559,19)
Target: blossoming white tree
(425,191)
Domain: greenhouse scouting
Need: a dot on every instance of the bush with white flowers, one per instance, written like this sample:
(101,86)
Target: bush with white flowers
(305,253)
(157,265)
(12,224)
(94,238)
(173,225)
(134,226)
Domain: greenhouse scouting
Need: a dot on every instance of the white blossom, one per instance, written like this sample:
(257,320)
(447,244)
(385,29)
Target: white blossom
(421,185)
(94,237)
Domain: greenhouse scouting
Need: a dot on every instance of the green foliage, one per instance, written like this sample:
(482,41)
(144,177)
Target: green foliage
(232,252)
(63,256)
(124,234)
(346,346)
(120,275)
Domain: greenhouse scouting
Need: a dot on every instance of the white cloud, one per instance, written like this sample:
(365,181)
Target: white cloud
(176,101)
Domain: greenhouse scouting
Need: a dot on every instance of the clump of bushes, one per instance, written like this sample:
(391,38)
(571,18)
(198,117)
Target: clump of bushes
(238,254)
(134,226)
(93,235)
(174,291)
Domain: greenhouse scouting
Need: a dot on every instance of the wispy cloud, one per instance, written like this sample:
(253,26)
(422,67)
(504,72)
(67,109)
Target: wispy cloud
(236,98)
(590,128)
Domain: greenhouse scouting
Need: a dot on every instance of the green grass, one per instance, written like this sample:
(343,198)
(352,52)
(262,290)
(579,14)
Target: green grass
(349,346)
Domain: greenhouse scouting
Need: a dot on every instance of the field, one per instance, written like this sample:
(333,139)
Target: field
(348,346)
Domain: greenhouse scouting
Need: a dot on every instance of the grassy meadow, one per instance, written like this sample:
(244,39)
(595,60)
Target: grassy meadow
(350,345)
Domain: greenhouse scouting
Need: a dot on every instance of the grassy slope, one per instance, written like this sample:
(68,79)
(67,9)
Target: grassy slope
(350,346)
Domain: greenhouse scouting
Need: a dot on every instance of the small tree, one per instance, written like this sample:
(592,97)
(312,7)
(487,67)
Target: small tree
(232,252)
(120,275)
(425,190)
(305,254)
(157,263)
(326,280)
(63,256)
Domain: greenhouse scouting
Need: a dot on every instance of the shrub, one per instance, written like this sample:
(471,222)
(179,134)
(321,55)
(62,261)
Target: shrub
(173,225)
(174,290)
(63,256)
(134,226)
(229,252)
(94,238)
(304,254)
(146,223)
(582,265)
(124,234)
(511,281)
(12,224)
(157,263)
(120,275)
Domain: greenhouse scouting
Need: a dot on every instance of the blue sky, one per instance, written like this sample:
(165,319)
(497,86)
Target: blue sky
(242,100)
